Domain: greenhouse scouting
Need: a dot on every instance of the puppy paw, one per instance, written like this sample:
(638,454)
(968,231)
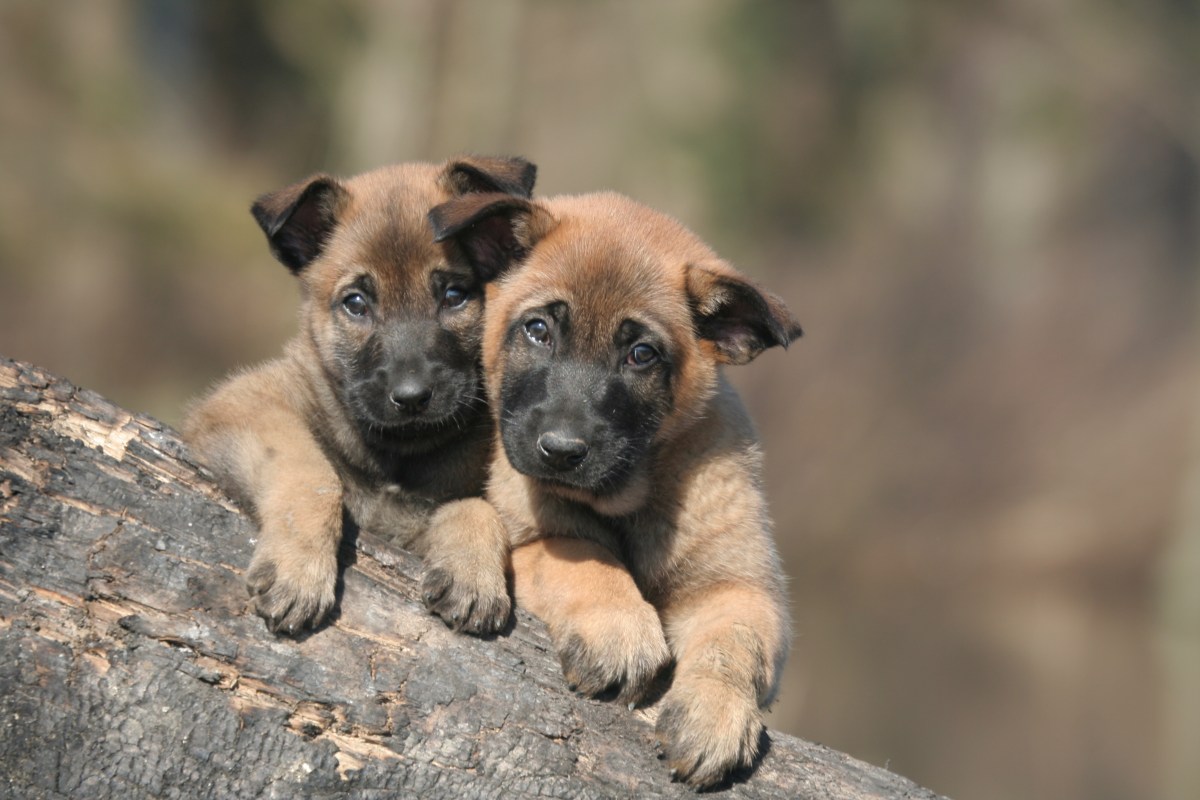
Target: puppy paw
(608,649)
(467,601)
(707,730)
(292,593)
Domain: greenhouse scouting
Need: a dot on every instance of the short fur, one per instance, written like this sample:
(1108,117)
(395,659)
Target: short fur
(376,407)
(629,478)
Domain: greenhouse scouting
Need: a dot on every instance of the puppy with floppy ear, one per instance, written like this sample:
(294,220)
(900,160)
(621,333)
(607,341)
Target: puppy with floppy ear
(376,408)
(629,476)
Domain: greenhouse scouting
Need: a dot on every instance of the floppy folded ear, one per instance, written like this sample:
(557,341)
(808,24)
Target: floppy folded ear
(492,231)
(298,219)
(488,174)
(740,319)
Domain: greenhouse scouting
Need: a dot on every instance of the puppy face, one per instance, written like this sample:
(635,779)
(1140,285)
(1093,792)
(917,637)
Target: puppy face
(604,344)
(587,378)
(395,323)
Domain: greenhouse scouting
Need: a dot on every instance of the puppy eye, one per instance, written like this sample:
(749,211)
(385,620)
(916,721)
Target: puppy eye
(454,297)
(355,304)
(538,332)
(641,355)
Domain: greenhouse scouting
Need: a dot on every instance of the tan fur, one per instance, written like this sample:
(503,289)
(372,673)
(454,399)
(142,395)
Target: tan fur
(690,534)
(280,438)
(616,641)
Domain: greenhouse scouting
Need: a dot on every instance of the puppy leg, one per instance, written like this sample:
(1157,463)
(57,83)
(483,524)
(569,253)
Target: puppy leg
(606,634)
(263,453)
(466,565)
(729,642)
(293,573)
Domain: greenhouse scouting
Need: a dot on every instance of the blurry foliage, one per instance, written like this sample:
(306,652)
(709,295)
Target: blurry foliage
(985,215)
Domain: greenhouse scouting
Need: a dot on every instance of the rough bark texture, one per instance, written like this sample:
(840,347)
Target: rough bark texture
(131,666)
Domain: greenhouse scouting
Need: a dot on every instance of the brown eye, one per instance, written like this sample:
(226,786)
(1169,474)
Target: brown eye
(642,355)
(355,304)
(454,297)
(538,332)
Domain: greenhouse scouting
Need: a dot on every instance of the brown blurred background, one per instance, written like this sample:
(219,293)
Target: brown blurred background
(983,457)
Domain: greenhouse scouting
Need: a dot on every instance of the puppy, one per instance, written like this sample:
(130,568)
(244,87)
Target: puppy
(629,478)
(376,406)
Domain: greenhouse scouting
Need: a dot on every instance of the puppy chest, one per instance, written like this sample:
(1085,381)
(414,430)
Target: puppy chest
(391,512)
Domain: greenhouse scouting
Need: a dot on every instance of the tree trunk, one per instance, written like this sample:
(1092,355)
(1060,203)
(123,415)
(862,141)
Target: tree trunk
(131,665)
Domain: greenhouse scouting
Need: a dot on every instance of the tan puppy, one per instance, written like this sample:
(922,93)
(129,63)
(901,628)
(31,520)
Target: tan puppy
(629,476)
(376,406)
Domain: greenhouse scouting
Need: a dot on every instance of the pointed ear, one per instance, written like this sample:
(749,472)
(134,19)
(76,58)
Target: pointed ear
(740,319)
(491,231)
(298,219)
(486,174)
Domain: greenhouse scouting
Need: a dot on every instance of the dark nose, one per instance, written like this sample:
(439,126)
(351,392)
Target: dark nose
(411,395)
(561,450)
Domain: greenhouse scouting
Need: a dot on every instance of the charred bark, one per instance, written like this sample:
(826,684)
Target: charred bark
(131,665)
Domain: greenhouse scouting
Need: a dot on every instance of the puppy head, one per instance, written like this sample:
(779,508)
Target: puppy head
(393,320)
(606,342)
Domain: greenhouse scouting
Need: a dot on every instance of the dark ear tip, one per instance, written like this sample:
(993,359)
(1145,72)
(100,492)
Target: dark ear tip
(528,177)
(436,217)
(785,333)
(261,215)
(450,218)
(481,174)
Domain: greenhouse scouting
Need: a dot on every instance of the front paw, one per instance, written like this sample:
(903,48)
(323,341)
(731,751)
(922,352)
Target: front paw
(472,602)
(708,729)
(292,592)
(608,648)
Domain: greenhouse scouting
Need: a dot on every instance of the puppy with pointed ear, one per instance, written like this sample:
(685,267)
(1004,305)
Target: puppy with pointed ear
(376,408)
(629,476)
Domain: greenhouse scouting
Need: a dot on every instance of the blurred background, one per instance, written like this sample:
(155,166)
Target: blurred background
(983,456)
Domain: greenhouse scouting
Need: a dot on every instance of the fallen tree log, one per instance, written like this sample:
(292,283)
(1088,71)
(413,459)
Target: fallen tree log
(131,665)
